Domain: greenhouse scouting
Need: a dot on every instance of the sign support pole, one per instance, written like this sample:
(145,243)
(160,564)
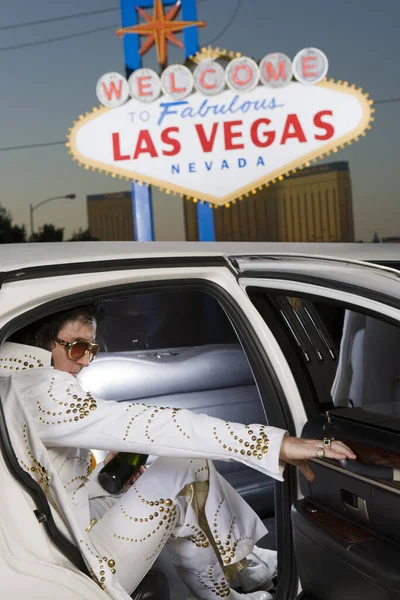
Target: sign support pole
(205,222)
(142,206)
(141,195)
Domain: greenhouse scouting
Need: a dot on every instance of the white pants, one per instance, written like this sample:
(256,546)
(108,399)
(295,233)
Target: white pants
(165,507)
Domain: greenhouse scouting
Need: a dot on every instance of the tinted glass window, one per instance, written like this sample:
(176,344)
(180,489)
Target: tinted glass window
(165,320)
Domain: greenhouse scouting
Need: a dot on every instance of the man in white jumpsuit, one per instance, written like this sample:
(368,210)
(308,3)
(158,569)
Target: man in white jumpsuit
(180,500)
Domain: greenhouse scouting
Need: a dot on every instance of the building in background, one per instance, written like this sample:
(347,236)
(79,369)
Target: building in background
(314,205)
(391,240)
(110,216)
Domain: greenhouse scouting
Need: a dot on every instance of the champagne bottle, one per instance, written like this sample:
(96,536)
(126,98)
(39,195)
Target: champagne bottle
(116,473)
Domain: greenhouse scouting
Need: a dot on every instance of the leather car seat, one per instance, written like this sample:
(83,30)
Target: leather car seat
(369,364)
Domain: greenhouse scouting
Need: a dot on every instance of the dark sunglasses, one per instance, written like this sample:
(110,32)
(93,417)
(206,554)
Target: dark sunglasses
(79,348)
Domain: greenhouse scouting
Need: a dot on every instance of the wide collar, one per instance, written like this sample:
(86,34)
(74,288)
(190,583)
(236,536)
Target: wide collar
(19,357)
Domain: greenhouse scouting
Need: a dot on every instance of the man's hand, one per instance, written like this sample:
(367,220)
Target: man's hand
(298,452)
(130,481)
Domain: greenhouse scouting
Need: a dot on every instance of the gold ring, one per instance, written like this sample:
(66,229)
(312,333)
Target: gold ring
(320,453)
(327,441)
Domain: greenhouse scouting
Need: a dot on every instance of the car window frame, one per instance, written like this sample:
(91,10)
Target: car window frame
(348,300)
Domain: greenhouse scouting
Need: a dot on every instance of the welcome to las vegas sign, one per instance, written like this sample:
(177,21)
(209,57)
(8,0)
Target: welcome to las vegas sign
(216,134)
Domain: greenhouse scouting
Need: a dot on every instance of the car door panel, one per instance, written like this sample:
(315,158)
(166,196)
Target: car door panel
(346,526)
(343,560)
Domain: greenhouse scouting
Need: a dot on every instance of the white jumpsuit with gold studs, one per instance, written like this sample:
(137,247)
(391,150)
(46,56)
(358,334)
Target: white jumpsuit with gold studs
(180,500)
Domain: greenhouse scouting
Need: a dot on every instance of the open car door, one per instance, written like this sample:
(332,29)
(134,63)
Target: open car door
(338,326)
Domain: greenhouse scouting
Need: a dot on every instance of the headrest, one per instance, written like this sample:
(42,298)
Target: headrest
(123,376)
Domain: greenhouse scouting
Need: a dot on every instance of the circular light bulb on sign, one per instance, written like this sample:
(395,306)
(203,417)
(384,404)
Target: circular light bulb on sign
(310,66)
(276,70)
(209,78)
(112,90)
(177,81)
(242,74)
(144,85)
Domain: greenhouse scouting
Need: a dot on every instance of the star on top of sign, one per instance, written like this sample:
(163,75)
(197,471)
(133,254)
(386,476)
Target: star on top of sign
(160,29)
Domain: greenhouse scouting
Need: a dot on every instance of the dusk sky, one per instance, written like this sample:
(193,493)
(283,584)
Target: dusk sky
(44,88)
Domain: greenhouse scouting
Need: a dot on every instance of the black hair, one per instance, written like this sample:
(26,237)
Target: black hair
(43,332)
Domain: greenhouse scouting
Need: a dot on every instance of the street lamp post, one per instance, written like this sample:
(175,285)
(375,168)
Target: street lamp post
(32,208)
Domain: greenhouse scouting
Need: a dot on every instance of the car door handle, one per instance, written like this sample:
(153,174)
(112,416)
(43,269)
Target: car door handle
(355,506)
(371,471)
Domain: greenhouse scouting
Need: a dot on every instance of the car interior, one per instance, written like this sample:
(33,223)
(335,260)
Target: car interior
(180,350)
(345,528)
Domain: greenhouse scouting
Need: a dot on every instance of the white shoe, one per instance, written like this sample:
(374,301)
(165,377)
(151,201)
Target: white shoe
(252,596)
(236,596)
(268,557)
(261,571)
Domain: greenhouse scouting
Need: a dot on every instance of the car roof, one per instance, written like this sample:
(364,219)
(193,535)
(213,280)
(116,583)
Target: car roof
(19,256)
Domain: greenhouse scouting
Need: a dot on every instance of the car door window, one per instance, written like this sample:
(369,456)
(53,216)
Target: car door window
(350,358)
(163,320)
